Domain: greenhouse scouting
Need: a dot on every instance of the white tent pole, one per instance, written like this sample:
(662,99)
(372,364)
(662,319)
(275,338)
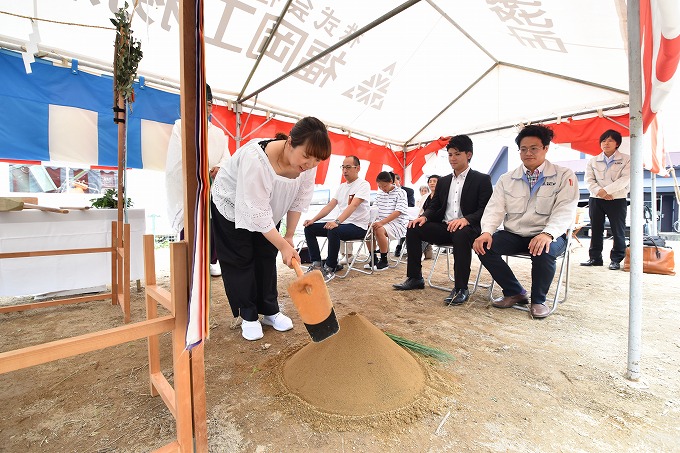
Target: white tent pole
(238,109)
(407,171)
(264,48)
(653,228)
(636,191)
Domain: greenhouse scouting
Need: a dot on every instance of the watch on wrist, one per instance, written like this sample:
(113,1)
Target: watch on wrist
(337,221)
(549,235)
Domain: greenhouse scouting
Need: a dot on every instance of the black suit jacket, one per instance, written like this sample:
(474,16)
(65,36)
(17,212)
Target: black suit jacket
(477,191)
(410,196)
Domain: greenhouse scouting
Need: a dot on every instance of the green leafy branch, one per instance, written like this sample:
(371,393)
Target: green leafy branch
(128,54)
(425,350)
(109,200)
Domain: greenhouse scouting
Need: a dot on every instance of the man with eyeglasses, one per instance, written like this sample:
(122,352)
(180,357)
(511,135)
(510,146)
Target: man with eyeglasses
(536,203)
(352,214)
(218,155)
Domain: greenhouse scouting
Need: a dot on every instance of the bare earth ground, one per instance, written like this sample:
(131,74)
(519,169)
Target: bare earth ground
(516,385)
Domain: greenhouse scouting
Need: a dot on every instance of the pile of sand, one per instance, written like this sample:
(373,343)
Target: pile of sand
(358,371)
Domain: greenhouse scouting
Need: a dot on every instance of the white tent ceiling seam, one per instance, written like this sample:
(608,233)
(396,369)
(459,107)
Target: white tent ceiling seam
(366,67)
(323,53)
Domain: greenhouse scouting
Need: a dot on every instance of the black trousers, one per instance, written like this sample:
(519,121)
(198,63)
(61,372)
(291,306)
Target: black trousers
(616,211)
(248,262)
(436,233)
(543,266)
(344,232)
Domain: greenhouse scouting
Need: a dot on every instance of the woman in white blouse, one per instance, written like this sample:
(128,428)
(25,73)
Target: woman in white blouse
(265,180)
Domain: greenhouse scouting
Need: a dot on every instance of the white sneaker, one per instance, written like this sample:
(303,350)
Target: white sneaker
(251,330)
(215,270)
(346,259)
(278,321)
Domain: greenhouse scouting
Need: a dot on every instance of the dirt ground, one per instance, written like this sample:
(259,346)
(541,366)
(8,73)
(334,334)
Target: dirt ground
(517,384)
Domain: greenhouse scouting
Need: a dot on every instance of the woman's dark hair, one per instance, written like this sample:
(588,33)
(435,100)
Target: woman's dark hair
(384,176)
(433,176)
(614,135)
(544,133)
(311,132)
(280,136)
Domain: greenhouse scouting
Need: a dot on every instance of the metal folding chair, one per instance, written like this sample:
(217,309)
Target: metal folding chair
(562,275)
(400,258)
(447,249)
(357,257)
(303,242)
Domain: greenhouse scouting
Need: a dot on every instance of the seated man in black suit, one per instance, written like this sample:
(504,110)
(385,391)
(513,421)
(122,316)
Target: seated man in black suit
(452,217)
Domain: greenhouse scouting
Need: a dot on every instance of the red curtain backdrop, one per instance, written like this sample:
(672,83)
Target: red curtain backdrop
(377,155)
(417,157)
(584,135)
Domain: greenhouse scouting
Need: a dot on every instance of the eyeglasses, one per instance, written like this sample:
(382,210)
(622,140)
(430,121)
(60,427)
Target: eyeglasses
(347,167)
(531,149)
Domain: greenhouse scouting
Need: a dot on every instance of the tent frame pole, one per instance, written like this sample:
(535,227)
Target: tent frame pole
(636,191)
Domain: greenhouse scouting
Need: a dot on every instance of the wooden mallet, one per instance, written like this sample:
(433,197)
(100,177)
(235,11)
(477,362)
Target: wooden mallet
(310,296)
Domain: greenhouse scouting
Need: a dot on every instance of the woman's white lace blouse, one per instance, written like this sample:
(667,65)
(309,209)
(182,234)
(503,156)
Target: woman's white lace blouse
(248,192)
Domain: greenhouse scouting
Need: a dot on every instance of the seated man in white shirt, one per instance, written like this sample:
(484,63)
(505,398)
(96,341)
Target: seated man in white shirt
(218,155)
(350,219)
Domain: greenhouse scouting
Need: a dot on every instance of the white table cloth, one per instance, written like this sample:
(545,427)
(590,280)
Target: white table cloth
(31,230)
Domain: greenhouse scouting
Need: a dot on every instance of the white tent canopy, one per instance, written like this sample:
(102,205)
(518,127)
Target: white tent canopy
(422,70)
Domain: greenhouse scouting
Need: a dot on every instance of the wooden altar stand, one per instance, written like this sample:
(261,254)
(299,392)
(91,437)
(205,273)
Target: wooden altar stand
(178,399)
(120,272)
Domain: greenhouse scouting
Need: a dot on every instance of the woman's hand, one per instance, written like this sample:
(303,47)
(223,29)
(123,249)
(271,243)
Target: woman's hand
(288,253)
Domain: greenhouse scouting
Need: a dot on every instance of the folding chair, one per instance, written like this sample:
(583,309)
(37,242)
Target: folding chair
(562,275)
(399,258)
(447,249)
(363,248)
(303,242)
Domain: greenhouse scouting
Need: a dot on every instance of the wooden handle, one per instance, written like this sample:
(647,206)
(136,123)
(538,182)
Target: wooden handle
(45,208)
(297,268)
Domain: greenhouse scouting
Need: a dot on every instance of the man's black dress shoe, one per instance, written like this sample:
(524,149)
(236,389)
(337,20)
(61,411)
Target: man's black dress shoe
(410,283)
(592,262)
(614,266)
(457,297)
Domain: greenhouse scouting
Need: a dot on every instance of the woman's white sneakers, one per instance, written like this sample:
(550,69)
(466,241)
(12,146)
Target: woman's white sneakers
(252,330)
(278,321)
(215,270)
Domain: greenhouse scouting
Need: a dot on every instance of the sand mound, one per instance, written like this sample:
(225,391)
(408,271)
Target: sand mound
(358,371)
